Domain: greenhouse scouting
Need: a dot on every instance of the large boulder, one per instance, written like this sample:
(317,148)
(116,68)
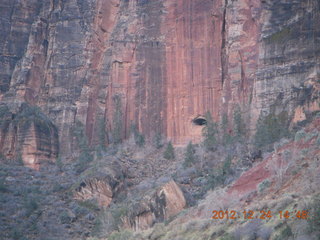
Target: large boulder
(100,184)
(167,201)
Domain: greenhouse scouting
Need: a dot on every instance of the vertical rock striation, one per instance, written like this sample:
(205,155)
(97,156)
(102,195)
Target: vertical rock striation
(167,62)
(28,135)
(288,75)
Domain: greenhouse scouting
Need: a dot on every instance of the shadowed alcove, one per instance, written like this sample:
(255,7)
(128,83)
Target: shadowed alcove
(199,121)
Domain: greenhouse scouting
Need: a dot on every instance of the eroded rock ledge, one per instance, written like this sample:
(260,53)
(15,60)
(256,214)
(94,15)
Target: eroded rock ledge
(102,185)
(166,202)
(28,136)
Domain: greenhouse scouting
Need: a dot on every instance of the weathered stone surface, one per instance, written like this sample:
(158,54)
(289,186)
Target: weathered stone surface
(95,189)
(166,202)
(289,56)
(101,184)
(168,61)
(28,135)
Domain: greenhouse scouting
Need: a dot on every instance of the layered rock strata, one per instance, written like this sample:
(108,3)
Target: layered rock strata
(102,186)
(28,136)
(157,64)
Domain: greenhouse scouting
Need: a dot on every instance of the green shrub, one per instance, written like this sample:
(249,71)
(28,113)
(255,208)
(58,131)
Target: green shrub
(30,205)
(139,140)
(4,113)
(4,110)
(19,159)
(118,212)
(209,133)
(59,163)
(157,140)
(300,135)
(280,36)
(117,120)
(83,161)
(270,129)
(169,152)
(57,187)
(89,204)
(28,112)
(81,137)
(122,235)
(239,125)
(189,157)
(17,235)
(226,168)
(218,176)
(311,135)
(215,178)
(85,155)
(102,133)
(110,219)
(226,137)
(263,185)
(64,218)
(138,137)
(286,233)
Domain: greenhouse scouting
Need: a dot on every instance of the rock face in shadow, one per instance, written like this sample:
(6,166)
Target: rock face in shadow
(28,136)
(288,74)
(157,64)
(166,202)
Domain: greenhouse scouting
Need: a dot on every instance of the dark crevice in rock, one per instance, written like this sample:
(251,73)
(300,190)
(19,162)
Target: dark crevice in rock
(224,66)
(200,121)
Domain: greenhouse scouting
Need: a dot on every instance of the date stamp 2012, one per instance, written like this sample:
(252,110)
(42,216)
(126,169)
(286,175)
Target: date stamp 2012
(262,214)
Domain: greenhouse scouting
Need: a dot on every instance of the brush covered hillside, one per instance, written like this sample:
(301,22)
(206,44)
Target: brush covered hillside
(159,120)
(151,190)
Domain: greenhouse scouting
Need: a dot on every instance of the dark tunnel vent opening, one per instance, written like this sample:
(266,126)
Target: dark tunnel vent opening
(199,121)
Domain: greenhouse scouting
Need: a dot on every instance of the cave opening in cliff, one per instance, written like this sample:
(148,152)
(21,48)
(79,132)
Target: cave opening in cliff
(199,121)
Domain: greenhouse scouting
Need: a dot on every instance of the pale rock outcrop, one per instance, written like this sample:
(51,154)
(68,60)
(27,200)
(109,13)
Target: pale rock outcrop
(101,184)
(166,202)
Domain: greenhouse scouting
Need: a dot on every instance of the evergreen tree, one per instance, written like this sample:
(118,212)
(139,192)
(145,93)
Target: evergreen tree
(81,137)
(270,128)
(189,157)
(227,165)
(117,120)
(209,133)
(169,152)
(226,137)
(102,132)
(157,140)
(239,125)
(85,151)
(138,137)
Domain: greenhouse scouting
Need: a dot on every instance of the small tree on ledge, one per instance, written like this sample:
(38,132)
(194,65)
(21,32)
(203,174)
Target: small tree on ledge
(189,158)
(169,152)
(209,133)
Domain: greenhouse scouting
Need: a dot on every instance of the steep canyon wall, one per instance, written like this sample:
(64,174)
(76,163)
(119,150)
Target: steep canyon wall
(159,63)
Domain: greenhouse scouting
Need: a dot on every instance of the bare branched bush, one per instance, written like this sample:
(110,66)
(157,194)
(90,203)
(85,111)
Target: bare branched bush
(280,164)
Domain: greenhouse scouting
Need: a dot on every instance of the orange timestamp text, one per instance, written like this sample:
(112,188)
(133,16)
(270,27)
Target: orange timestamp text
(263,214)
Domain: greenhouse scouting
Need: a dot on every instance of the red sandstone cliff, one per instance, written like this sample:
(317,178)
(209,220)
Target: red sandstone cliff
(167,61)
